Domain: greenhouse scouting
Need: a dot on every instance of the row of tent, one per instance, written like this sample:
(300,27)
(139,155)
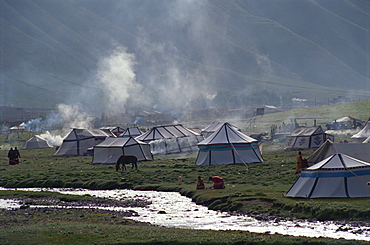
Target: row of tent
(341,170)
(164,137)
(307,137)
(225,145)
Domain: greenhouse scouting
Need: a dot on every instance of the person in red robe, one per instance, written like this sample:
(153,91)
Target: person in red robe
(218,182)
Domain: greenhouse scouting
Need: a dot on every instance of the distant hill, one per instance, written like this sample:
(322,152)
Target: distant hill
(112,55)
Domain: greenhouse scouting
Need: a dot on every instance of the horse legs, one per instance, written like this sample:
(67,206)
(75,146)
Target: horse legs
(123,168)
(134,165)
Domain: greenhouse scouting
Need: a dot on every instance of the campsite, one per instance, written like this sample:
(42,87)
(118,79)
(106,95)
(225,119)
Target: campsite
(256,188)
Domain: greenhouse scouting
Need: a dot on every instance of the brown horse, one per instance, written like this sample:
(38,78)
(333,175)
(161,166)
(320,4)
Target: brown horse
(126,159)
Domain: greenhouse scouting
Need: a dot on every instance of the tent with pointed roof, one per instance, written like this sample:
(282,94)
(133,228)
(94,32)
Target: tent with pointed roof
(171,139)
(345,123)
(359,151)
(339,175)
(117,131)
(132,132)
(228,146)
(112,148)
(363,134)
(210,129)
(78,141)
(306,137)
(36,142)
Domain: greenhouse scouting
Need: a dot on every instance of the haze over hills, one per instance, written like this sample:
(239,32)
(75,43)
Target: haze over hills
(177,55)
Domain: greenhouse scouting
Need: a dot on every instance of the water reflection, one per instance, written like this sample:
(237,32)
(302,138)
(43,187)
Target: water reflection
(170,209)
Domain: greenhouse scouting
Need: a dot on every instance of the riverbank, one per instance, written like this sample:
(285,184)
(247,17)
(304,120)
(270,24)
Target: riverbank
(255,189)
(71,215)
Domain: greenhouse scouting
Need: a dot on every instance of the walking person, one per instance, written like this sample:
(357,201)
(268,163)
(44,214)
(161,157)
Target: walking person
(299,160)
(17,155)
(11,156)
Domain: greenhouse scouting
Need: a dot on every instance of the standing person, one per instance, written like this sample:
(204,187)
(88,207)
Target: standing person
(11,157)
(200,183)
(17,155)
(218,182)
(299,159)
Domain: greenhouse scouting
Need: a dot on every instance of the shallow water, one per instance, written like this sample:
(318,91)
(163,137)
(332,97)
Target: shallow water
(170,209)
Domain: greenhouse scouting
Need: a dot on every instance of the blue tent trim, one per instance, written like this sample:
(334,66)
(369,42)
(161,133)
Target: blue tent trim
(227,147)
(346,173)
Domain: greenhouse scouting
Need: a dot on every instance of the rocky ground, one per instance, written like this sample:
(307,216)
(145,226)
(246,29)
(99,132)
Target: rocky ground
(52,205)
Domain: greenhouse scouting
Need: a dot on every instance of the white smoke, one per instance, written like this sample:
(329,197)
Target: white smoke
(54,140)
(343,132)
(73,116)
(169,84)
(5,147)
(33,124)
(117,79)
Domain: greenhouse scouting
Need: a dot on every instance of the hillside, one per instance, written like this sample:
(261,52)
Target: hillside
(114,55)
(323,115)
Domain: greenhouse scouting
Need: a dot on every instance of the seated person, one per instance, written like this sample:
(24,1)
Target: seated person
(218,182)
(200,183)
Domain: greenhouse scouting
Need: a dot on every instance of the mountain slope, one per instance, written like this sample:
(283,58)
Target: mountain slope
(66,51)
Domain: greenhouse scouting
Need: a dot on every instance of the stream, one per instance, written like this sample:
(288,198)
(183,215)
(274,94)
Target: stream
(170,209)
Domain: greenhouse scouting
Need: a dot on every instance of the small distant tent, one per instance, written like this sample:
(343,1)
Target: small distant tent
(210,129)
(17,129)
(112,148)
(359,151)
(363,134)
(171,139)
(228,146)
(36,142)
(306,137)
(78,141)
(338,175)
(117,131)
(345,123)
(132,132)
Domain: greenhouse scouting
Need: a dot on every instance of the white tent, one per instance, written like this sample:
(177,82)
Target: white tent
(171,139)
(117,131)
(228,146)
(345,123)
(36,142)
(132,132)
(359,151)
(78,141)
(112,148)
(336,176)
(213,127)
(306,137)
(363,134)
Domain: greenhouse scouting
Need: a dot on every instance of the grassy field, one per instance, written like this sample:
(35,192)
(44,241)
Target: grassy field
(256,189)
(33,227)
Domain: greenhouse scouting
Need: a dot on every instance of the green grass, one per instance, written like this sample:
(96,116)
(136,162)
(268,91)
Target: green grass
(34,227)
(305,116)
(257,187)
